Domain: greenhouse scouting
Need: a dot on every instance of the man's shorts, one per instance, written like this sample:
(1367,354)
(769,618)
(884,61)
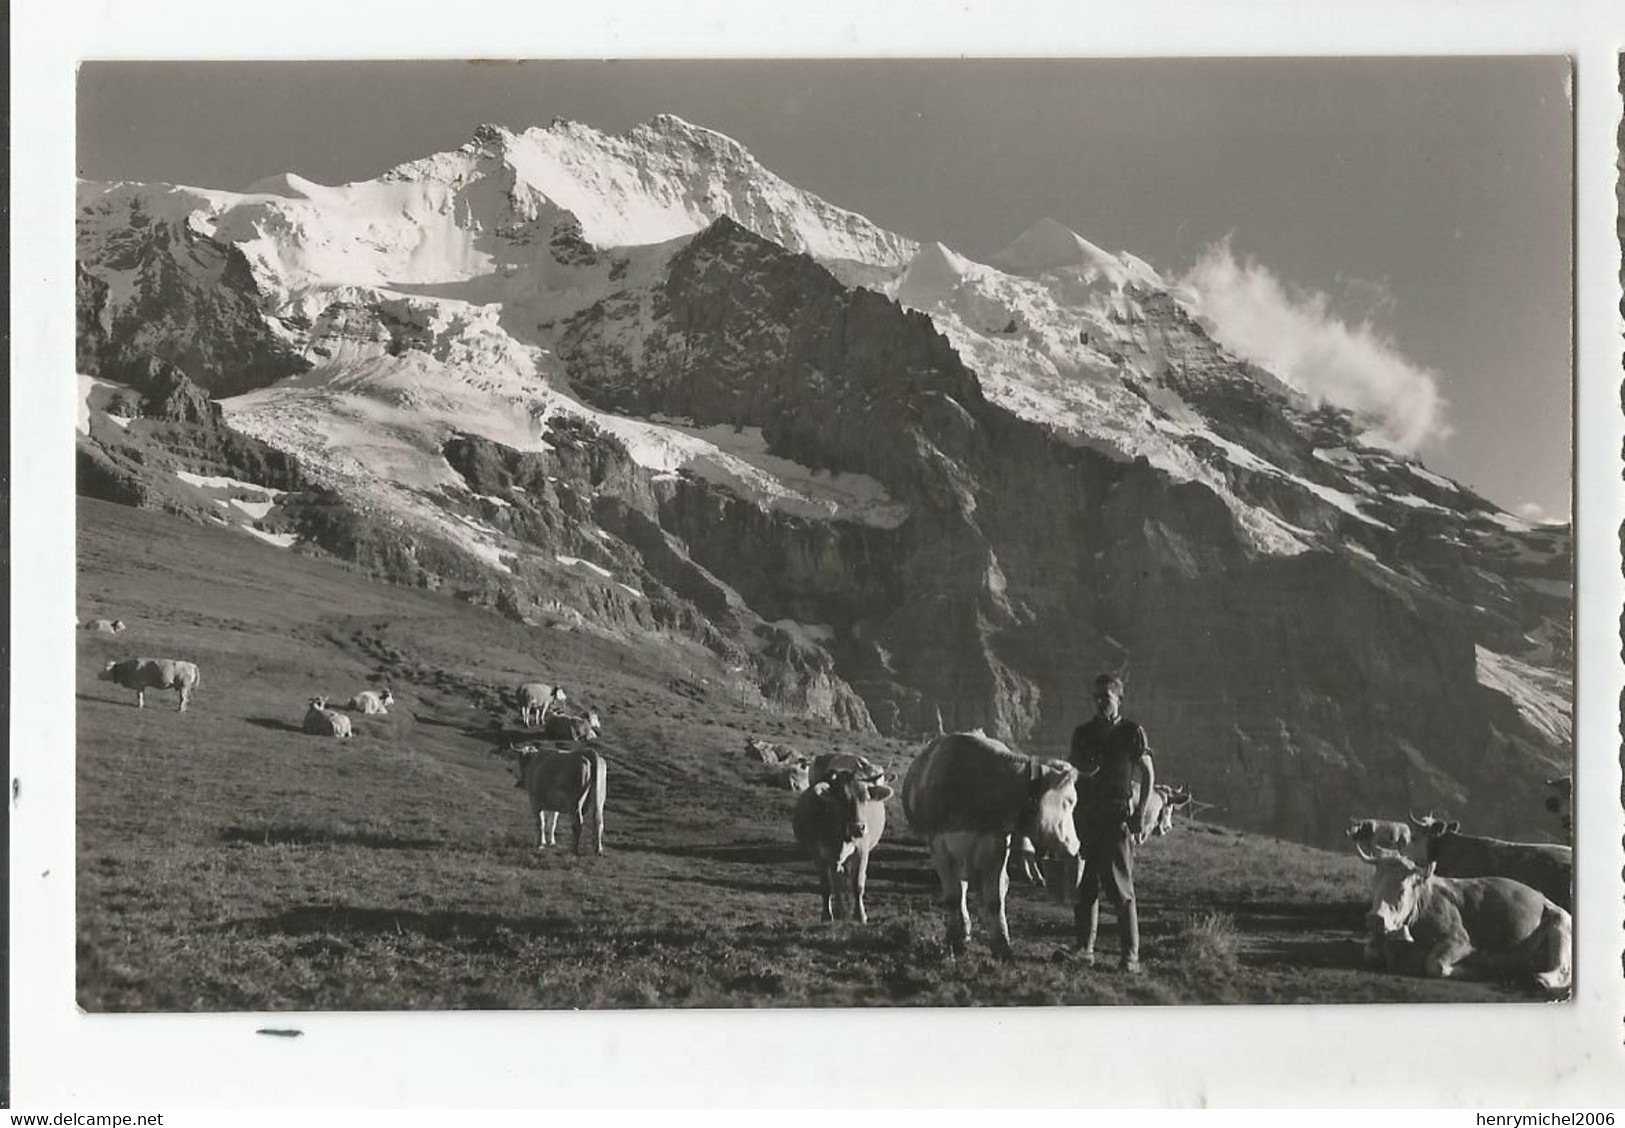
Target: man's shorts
(1108,861)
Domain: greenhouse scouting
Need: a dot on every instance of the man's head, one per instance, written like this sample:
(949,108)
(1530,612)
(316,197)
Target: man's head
(1108,695)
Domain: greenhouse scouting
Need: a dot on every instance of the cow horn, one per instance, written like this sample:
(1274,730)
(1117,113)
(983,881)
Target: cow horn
(1419,822)
(1373,859)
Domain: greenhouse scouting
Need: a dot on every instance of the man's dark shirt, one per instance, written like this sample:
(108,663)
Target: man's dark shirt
(1117,747)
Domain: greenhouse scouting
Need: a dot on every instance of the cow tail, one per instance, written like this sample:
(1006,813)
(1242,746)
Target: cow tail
(597,775)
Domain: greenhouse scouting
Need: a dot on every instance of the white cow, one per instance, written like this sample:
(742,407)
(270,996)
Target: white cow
(142,674)
(372,702)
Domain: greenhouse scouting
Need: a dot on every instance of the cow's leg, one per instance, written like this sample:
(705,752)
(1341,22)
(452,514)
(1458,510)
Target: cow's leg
(579,817)
(552,827)
(953,894)
(1443,957)
(140,699)
(993,878)
(180,691)
(826,889)
(1556,949)
(598,832)
(539,817)
(860,881)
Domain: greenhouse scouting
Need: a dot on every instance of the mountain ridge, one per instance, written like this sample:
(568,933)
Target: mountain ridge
(897,502)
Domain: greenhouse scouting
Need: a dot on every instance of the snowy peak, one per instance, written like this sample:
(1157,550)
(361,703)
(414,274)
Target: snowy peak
(933,275)
(1049,245)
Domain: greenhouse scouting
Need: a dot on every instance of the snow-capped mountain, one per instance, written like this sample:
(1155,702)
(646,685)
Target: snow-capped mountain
(647,377)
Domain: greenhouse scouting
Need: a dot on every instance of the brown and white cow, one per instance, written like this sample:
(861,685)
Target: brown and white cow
(563,779)
(1541,866)
(971,797)
(142,674)
(1438,927)
(838,821)
(103,626)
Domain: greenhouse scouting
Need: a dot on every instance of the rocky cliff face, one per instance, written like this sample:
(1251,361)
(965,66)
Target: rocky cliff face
(638,384)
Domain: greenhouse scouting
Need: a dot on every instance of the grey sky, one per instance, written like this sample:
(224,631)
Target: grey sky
(1430,195)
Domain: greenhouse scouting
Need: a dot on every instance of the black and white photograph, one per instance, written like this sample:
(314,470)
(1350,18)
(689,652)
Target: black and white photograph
(587,539)
(1081,533)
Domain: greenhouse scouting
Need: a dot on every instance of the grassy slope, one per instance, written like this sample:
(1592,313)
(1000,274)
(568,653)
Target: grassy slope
(228,861)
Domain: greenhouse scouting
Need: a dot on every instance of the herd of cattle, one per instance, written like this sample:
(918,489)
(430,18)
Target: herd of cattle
(1442,903)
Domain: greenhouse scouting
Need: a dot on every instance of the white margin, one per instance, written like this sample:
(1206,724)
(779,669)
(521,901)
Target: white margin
(1479,1056)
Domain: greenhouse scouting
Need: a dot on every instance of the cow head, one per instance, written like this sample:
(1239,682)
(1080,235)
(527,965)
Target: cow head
(1397,885)
(522,755)
(318,703)
(843,794)
(1435,828)
(797,775)
(386,697)
(107,673)
(1052,796)
(118,625)
(1165,801)
(1380,833)
(593,725)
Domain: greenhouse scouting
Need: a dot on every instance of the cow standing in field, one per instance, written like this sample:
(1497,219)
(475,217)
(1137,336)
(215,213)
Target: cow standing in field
(142,674)
(838,821)
(322,721)
(556,780)
(372,702)
(537,701)
(970,796)
(1546,868)
(1440,927)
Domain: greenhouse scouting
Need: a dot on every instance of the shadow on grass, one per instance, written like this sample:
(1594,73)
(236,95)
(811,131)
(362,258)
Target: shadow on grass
(275,724)
(320,836)
(1289,916)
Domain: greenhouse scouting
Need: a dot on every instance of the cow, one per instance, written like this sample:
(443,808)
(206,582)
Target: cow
(838,821)
(322,721)
(563,779)
(1439,927)
(970,796)
(1541,866)
(142,674)
(372,702)
(557,726)
(1379,834)
(103,626)
(766,752)
(536,701)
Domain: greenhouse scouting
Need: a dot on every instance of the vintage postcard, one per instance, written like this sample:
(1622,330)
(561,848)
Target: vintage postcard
(1068,534)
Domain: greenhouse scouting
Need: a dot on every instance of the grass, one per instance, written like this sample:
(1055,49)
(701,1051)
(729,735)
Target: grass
(228,861)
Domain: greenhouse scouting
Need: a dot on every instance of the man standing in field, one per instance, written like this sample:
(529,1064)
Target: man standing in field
(1109,751)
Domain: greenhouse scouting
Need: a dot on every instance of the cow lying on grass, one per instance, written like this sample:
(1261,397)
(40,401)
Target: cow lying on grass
(372,702)
(838,821)
(322,721)
(1438,927)
(142,674)
(563,779)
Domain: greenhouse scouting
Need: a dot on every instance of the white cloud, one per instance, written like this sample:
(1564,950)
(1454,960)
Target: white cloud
(1295,335)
